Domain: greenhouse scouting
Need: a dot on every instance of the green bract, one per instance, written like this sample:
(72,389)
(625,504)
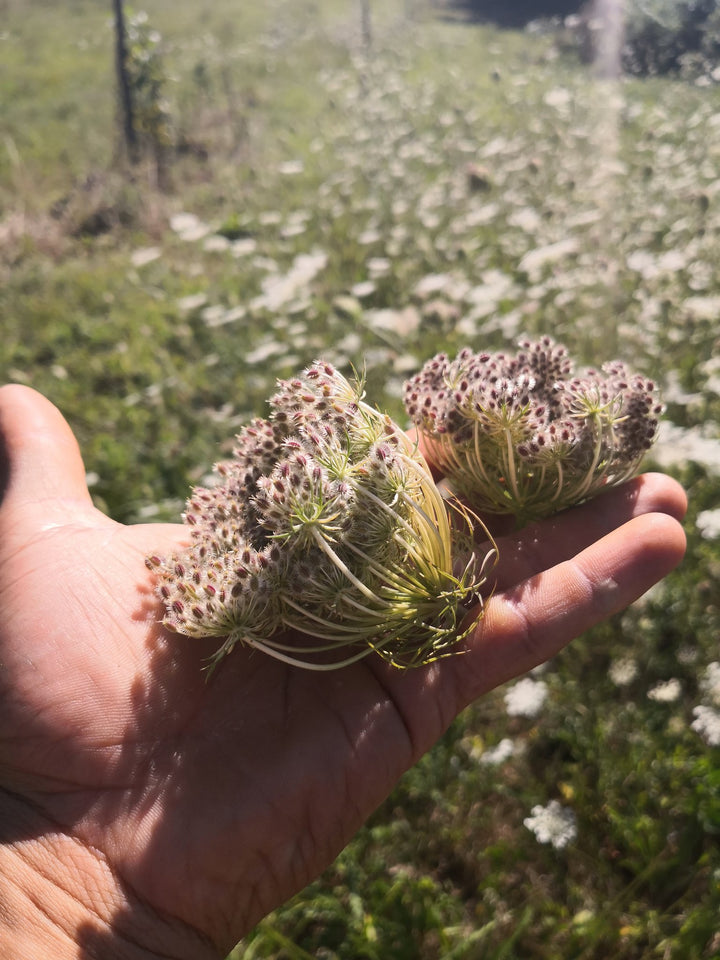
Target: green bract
(326,522)
(525,435)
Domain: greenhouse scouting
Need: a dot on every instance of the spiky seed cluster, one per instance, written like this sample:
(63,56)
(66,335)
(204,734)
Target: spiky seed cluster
(524,434)
(325,521)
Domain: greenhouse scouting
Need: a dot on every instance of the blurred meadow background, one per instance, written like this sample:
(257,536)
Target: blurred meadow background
(370,183)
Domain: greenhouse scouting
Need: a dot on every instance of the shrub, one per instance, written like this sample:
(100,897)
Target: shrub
(660,36)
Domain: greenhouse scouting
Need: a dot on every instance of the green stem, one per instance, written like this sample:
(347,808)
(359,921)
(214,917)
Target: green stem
(328,550)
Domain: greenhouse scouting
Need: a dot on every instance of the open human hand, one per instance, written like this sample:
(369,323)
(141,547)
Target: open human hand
(146,812)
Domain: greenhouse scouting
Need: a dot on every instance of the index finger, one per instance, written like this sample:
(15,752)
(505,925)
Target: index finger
(529,623)
(547,542)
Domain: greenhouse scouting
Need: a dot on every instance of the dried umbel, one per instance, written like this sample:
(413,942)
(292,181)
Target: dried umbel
(325,525)
(526,435)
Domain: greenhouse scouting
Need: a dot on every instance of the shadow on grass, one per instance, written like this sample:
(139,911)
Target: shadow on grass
(503,14)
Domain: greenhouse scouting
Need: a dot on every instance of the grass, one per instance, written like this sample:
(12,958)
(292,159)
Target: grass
(592,214)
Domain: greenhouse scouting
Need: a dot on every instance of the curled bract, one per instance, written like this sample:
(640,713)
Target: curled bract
(525,434)
(324,539)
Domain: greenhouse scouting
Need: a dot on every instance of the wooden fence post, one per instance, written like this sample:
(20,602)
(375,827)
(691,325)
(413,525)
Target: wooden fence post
(125,100)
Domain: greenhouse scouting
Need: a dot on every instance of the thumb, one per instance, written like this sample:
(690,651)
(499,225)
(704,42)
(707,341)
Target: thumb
(40,459)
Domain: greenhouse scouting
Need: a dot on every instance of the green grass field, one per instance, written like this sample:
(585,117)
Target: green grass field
(451,185)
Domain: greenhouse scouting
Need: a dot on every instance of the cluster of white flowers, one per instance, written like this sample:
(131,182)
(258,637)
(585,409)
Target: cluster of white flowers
(707,724)
(498,754)
(667,691)
(708,523)
(623,671)
(554,824)
(710,683)
(526,697)
(707,715)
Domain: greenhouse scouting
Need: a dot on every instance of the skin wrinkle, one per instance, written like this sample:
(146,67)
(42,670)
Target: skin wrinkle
(152,911)
(311,834)
(62,526)
(86,904)
(55,786)
(49,782)
(306,835)
(447,704)
(266,872)
(114,908)
(518,559)
(315,834)
(513,607)
(352,741)
(257,905)
(39,905)
(579,591)
(377,669)
(348,788)
(16,555)
(86,602)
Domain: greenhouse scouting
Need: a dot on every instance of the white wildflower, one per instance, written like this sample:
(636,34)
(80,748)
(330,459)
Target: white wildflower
(188,227)
(264,351)
(378,267)
(363,289)
(668,691)
(526,697)
(279,290)
(403,322)
(145,255)
(291,168)
(369,236)
(499,753)
(622,672)
(536,260)
(212,314)
(558,97)
(679,444)
(270,218)
(707,724)
(431,283)
(710,682)
(553,824)
(193,301)
(702,308)
(708,523)
(243,246)
(216,243)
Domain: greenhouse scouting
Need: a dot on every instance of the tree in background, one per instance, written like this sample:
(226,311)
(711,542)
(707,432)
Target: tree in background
(141,80)
(663,36)
(658,36)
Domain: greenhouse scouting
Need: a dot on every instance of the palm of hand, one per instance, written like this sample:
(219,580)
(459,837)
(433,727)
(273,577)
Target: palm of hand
(126,744)
(214,802)
(263,772)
